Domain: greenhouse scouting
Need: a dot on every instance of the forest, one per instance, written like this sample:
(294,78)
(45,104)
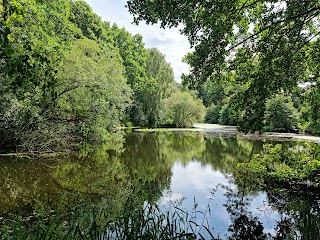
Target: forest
(69,80)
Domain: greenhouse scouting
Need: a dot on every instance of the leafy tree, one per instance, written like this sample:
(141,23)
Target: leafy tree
(227,115)
(281,115)
(148,74)
(162,73)
(92,92)
(213,114)
(34,37)
(182,109)
(134,56)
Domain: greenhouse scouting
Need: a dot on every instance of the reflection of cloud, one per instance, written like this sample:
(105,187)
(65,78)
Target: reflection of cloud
(170,197)
(169,41)
(197,178)
(261,209)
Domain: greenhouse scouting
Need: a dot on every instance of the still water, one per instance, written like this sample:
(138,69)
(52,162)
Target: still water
(189,171)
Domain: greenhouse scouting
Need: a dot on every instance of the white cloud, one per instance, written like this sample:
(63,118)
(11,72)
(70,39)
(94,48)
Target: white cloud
(169,41)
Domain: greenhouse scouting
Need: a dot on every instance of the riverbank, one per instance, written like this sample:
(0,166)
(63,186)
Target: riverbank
(232,131)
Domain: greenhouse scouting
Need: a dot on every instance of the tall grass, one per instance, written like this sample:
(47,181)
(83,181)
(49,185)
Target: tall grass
(133,222)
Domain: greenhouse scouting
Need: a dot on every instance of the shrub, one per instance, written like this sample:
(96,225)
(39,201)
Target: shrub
(227,115)
(280,114)
(213,114)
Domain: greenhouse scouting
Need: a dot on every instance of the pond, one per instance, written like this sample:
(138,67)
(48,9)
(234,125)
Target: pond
(182,171)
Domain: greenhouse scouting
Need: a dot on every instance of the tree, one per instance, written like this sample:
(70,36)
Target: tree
(278,37)
(148,74)
(33,38)
(92,93)
(280,115)
(162,73)
(182,109)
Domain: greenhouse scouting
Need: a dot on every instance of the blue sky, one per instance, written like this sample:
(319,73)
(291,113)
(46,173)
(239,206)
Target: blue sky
(169,41)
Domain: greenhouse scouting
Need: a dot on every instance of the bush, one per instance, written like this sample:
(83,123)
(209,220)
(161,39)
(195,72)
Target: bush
(280,114)
(292,167)
(181,109)
(213,114)
(227,115)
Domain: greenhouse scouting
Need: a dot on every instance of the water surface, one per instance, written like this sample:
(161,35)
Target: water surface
(190,171)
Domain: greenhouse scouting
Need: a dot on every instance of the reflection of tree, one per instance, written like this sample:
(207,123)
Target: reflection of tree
(149,171)
(302,211)
(23,181)
(98,178)
(184,147)
(150,156)
(244,225)
(223,154)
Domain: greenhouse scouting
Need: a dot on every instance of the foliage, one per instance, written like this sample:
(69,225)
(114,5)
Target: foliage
(133,222)
(148,74)
(290,167)
(134,56)
(270,45)
(310,110)
(66,76)
(182,109)
(212,114)
(227,115)
(280,115)
(93,95)
(162,73)
(31,44)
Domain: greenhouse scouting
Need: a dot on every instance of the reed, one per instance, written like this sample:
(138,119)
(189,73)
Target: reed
(133,222)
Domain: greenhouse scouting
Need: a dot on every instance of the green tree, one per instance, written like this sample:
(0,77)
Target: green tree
(148,74)
(134,56)
(182,109)
(281,115)
(213,114)
(92,92)
(162,73)
(34,38)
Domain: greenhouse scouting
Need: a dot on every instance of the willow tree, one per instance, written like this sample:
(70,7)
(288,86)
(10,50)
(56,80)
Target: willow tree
(273,36)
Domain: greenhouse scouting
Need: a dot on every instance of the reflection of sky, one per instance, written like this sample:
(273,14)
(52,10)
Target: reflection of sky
(195,182)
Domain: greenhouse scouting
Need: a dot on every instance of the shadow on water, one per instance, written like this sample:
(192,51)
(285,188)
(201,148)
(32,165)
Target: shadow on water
(188,165)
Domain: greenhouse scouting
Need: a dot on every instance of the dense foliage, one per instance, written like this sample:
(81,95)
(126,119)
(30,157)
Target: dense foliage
(290,168)
(182,109)
(280,114)
(69,79)
(268,46)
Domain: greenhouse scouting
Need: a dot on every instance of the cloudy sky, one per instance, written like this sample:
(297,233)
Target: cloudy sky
(169,41)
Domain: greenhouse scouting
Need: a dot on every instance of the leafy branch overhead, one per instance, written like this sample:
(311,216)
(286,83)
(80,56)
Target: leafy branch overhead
(216,29)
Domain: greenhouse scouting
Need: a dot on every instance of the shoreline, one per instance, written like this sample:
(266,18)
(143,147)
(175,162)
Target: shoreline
(231,131)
